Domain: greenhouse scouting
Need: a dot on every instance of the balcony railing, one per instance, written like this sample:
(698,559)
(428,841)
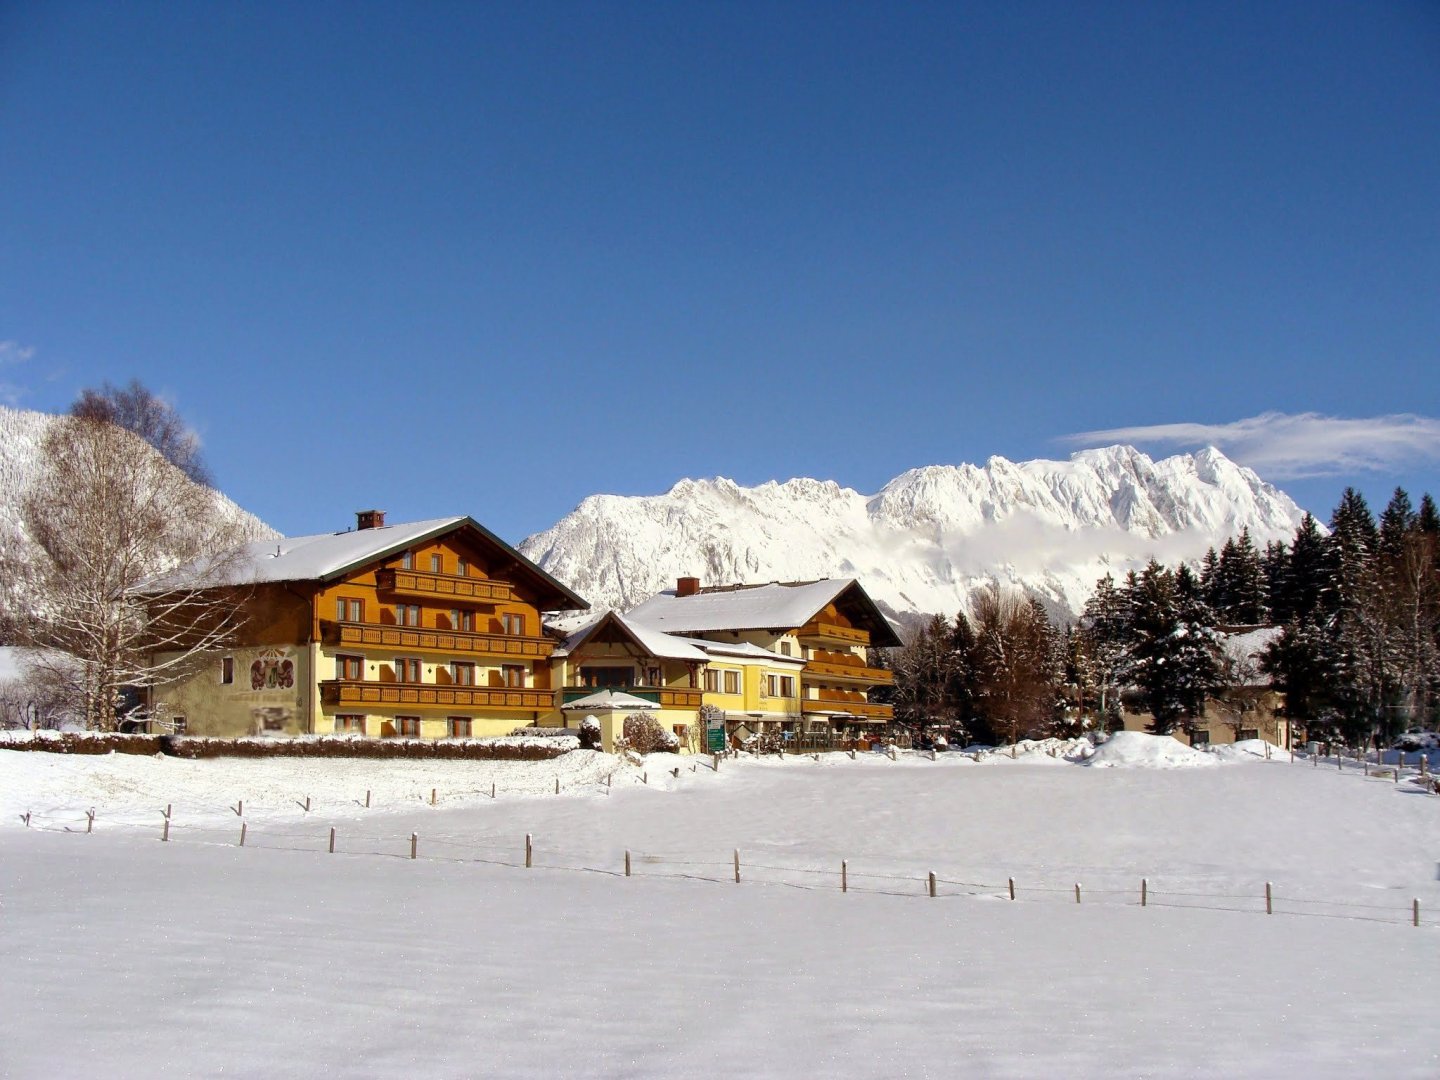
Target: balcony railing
(837,703)
(430,696)
(427,586)
(849,673)
(373,635)
(664,696)
(822,631)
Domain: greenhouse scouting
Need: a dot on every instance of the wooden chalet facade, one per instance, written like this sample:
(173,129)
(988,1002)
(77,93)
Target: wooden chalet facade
(426,630)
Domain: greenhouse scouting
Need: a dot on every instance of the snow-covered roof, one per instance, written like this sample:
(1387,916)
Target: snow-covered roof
(746,650)
(326,556)
(608,699)
(654,642)
(1245,649)
(776,606)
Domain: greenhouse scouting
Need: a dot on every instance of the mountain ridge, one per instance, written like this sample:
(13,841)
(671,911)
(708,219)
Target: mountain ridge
(929,537)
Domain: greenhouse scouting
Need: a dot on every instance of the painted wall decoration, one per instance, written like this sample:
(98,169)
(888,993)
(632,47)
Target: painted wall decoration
(272,670)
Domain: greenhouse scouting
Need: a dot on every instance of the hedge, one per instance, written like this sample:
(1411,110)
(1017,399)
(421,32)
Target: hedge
(320,746)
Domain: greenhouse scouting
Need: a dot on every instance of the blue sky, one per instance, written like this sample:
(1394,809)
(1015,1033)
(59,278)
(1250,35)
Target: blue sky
(490,259)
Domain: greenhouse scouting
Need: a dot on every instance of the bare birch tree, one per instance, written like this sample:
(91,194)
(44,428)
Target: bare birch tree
(107,513)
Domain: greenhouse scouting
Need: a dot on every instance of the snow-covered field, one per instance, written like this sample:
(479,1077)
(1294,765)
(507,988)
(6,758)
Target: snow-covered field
(122,956)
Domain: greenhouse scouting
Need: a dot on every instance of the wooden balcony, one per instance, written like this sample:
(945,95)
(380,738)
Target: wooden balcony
(839,703)
(347,692)
(420,585)
(829,632)
(856,673)
(667,697)
(423,639)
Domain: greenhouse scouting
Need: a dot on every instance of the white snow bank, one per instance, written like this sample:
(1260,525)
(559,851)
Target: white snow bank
(1137,750)
(1247,750)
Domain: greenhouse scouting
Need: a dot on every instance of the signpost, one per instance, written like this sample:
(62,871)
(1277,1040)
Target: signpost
(715,734)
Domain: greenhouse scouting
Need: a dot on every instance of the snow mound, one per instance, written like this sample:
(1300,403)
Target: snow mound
(1050,749)
(1246,750)
(1137,750)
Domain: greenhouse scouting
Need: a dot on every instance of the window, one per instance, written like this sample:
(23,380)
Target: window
(784,648)
(227,670)
(513,624)
(407,727)
(462,567)
(407,614)
(782,686)
(1246,733)
(407,561)
(349,609)
(458,727)
(349,724)
(350,667)
(462,673)
(732,681)
(462,620)
(598,677)
(712,681)
(179,725)
(437,563)
(1200,738)
(513,674)
(652,677)
(407,669)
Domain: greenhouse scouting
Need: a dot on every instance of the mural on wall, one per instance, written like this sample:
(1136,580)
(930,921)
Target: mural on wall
(272,670)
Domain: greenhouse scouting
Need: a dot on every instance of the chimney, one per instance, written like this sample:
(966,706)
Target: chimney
(687,586)
(370,519)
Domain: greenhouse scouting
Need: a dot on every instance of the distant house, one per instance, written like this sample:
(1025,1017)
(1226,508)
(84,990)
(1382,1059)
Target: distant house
(1247,707)
(429,629)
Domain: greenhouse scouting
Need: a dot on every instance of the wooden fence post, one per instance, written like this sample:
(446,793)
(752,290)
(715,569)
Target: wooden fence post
(168,808)
(932,884)
(25,817)
(1415,912)
(1269,900)
(332,839)
(627,863)
(165,834)
(1012,888)
(1077,892)
(90,820)
(737,866)
(367,798)
(243,827)
(844,876)
(529,852)
(557,784)
(414,843)
(1144,893)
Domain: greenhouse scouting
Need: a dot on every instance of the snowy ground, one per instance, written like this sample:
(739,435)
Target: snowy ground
(126,957)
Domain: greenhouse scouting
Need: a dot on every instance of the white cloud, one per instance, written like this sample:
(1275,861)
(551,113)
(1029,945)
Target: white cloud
(1283,446)
(12,352)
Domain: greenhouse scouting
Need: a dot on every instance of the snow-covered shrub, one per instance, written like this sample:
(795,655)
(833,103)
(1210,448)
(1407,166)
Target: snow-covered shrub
(645,735)
(590,734)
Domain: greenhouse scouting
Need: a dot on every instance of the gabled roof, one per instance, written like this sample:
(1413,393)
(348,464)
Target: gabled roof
(609,699)
(327,557)
(776,606)
(653,642)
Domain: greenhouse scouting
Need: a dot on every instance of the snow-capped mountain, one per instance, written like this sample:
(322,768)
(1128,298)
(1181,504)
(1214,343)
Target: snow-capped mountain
(22,433)
(928,537)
